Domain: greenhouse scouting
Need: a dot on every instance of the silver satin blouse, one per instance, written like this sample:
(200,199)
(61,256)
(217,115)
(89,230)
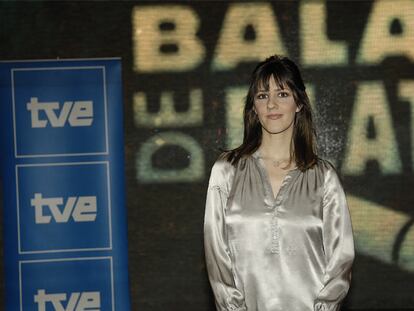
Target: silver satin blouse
(292,252)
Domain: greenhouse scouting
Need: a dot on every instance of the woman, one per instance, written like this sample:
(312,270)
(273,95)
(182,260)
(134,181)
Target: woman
(277,230)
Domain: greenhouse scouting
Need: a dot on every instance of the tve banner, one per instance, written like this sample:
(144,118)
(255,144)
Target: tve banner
(62,167)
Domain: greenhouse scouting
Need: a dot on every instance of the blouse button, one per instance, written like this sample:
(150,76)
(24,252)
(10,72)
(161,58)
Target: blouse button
(274,250)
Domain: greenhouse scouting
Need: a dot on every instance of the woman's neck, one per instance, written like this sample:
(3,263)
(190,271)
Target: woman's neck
(276,146)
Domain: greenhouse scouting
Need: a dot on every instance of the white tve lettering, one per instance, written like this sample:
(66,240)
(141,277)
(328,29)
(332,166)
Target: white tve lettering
(84,301)
(81,209)
(78,113)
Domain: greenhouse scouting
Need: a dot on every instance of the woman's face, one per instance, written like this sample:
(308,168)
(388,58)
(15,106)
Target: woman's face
(275,107)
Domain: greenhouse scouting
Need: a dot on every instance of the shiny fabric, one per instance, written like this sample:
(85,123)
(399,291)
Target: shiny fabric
(292,252)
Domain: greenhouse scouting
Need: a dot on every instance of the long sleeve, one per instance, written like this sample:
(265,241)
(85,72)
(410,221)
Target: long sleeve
(338,244)
(218,257)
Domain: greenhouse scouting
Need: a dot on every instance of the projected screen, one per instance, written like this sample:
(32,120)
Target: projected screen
(186,67)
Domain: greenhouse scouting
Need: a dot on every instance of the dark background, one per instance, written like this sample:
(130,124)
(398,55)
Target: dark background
(165,219)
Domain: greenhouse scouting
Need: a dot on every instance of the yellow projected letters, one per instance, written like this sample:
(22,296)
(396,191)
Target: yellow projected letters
(167,116)
(406,92)
(378,42)
(371,102)
(192,173)
(232,48)
(235,97)
(376,227)
(316,48)
(148,38)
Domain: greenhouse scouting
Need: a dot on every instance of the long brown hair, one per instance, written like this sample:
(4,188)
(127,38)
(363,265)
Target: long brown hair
(303,145)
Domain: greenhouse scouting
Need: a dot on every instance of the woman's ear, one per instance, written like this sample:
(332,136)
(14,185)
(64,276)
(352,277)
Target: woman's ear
(298,108)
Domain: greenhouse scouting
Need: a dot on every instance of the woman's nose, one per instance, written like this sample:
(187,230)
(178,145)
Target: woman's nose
(272,103)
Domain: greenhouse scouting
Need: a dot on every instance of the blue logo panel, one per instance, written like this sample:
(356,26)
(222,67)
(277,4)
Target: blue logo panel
(62,165)
(57,204)
(59,111)
(75,284)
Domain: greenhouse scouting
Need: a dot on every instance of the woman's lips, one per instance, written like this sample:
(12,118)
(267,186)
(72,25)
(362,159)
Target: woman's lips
(274,116)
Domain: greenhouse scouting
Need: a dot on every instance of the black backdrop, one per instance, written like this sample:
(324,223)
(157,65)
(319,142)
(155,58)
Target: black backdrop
(362,103)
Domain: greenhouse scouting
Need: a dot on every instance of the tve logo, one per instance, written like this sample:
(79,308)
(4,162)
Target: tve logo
(85,301)
(69,284)
(60,111)
(78,113)
(81,208)
(64,207)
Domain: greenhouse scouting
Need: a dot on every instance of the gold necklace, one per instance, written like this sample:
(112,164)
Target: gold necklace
(276,163)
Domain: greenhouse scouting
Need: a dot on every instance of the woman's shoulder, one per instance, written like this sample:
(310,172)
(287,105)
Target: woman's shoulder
(328,169)
(222,172)
(222,166)
(325,164)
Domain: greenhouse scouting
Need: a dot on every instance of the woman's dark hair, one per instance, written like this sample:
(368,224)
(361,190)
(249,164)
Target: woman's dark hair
(303,144)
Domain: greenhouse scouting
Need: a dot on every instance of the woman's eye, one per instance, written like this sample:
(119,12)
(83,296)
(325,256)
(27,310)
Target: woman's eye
(283,94)
(261,96)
